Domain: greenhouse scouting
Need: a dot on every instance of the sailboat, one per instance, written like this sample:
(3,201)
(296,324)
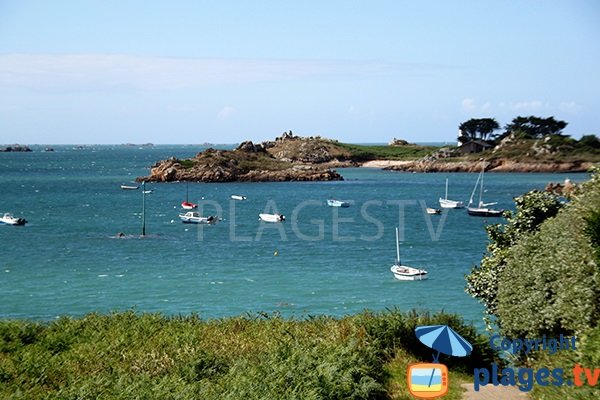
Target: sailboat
(186,204)
(482,209)
(403,272)
(446,203)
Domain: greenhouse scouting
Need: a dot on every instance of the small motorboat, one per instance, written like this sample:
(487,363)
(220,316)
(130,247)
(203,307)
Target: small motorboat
(8,219)
(337,203)
(129,187)
(194,217)
(272,217)
(238,197)
(433,211)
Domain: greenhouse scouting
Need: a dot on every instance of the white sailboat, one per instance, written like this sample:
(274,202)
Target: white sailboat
(404,272)
(446,203)
(482,209)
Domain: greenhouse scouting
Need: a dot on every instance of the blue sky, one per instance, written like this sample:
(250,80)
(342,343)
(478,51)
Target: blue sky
(117,71)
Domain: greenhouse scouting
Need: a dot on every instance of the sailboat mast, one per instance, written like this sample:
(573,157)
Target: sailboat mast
(143,208)
(474,189)
(397,247)
(481,187)
(446,189)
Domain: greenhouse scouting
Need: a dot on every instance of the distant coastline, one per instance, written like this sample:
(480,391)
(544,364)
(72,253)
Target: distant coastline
(495,165)
(294,158)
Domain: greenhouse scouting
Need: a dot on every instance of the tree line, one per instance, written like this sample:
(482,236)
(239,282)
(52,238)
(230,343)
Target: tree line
(530,127)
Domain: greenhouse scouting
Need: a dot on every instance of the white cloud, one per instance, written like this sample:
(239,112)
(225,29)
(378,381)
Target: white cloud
(530,106)
(569,107)
(114,71)
(225,113)
(469,105)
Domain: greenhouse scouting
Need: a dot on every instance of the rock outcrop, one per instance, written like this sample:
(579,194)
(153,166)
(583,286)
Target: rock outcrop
(15,148)
(249,162)
(494,165)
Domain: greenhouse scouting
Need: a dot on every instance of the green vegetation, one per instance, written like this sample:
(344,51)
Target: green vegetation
(187,163)
(477,128)
(555,271)
(532,127)
(362,153)
(541,277)
(148,356)
(531,210)
(587,355)
(529,139)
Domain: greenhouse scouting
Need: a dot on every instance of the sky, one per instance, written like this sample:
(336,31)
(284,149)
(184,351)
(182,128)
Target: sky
(190,72)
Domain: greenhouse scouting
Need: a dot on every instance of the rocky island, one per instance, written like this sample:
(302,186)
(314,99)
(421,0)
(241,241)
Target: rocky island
(294,158)
(511,154)
(288,158)
(15,148)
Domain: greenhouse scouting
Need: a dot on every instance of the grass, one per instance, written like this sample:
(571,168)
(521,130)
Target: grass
(361,153)
(139,356)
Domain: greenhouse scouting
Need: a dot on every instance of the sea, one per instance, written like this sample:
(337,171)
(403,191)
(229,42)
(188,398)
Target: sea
(83,251)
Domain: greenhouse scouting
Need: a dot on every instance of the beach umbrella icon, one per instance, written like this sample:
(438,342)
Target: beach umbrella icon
(443,339)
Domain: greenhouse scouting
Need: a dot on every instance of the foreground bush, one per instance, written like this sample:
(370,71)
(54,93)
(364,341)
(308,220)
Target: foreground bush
(150,356)
(551,282)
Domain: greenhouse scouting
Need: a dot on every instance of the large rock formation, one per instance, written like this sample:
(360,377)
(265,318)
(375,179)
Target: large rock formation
(249,162)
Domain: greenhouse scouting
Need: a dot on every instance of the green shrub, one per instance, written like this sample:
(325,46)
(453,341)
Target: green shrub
(532,209)
(550,283)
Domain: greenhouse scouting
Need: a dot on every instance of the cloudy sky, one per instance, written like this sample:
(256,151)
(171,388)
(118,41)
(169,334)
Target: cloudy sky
(116,71)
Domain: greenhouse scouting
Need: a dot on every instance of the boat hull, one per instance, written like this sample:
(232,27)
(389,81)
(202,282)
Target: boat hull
(188,206)
(236,197)
(271,217)
(404,273)
(196,218)
(338,203)
(484,212)
(445,203)
(13,221)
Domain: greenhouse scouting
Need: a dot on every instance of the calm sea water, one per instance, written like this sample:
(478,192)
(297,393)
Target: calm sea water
(67,260)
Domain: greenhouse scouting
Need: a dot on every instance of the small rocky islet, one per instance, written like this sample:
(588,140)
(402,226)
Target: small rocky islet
(288,158)
(294,158)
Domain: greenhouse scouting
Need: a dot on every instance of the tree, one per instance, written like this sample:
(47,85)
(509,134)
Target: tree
(535,127)
(477,129)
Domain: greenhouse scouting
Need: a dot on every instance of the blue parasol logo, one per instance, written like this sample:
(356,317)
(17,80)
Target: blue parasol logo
(429,380)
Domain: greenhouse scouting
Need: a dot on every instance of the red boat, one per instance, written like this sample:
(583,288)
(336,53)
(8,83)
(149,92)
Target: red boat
(188,206)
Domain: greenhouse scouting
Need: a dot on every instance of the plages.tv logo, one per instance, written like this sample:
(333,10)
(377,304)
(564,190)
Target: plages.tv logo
(429,380)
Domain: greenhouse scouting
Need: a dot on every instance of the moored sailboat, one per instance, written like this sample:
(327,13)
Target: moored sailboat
(447,203)
(404,272)
(187,205)
(482,209)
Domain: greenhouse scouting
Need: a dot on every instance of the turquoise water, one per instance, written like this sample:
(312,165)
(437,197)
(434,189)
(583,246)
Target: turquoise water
(322,260)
